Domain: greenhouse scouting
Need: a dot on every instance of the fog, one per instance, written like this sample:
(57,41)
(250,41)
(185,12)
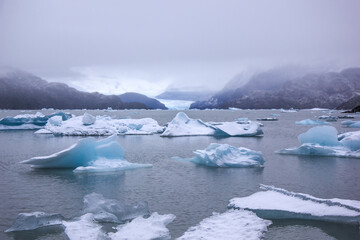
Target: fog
(115,46)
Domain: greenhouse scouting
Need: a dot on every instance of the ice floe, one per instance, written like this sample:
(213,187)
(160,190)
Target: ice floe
(311,122)
(182,125)
(351,124)
(224,155)
(30,121)
(153,227)
(231,225)
(328,118)
(83,228)
(277,203)
(111,210)
(88,155)
(324,141)
(88,125)
(34,220)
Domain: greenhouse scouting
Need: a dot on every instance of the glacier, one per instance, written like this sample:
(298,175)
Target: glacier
(231,225)
(153,227)
(311,122)
(182,125)
(111,210)
(351,124)
(324,141)
(88,125)
(277,203)
(30,121)
(88,155)
(224,155)
(34,220)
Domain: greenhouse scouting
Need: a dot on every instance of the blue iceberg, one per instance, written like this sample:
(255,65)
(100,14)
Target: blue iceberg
(277,203)
(88,155)
(351,124)
(311,122)
(30,121)
(224,155)
(324,141)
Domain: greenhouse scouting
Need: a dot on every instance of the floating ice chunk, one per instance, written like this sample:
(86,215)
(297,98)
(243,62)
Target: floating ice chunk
(274,115)
(153,227)
(30,121)
(351,124)
(277,203)
(323,135)
(323,141)
(231,225)
(311,122)
(267,119)
(88,155)
(350,140)
(234,129)
(288,110)
(182,125)
(111,210)
(34,220)
(224,155)
(84,228)
(104,125)
(88,119)
(328,118)
(243,121)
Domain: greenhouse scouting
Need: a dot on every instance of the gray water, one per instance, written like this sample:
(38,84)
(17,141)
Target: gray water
(190,192)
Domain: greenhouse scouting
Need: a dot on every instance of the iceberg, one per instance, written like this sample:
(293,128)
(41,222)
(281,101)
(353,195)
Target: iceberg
(84,228)
(231,225)
(291,110)
(88,155)
(34,220)
(323,141)
(88,125)
(351,124)
(111,210)
(30,121)
(224,155)
(153,227)
(267,119)
(328,118)
(277,203)
(182,125)
(311,122)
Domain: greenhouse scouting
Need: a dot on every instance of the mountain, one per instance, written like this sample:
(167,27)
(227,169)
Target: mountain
(277,89)
(351,103)
(151,103)
(22,90)
(185,95)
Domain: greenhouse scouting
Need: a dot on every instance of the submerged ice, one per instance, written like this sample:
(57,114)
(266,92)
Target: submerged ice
(88,155)
(111,210)
(224,155)
(324,141)
(30,121)
(231,225)
(182,125)
(34,220)
(88,125)
(277,203)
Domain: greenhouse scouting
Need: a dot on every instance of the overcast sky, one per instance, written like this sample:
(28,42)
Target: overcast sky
(114,46)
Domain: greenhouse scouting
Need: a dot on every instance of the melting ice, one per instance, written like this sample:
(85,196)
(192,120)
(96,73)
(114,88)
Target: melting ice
(34,220)
(224,155)
(311,122)
(88,155)
(88,125)
(277,203)
(182,125)
(30,121)
(351,124)
(324,141)
(231,225)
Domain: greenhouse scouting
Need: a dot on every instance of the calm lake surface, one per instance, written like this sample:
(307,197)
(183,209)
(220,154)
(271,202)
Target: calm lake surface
(189,191)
